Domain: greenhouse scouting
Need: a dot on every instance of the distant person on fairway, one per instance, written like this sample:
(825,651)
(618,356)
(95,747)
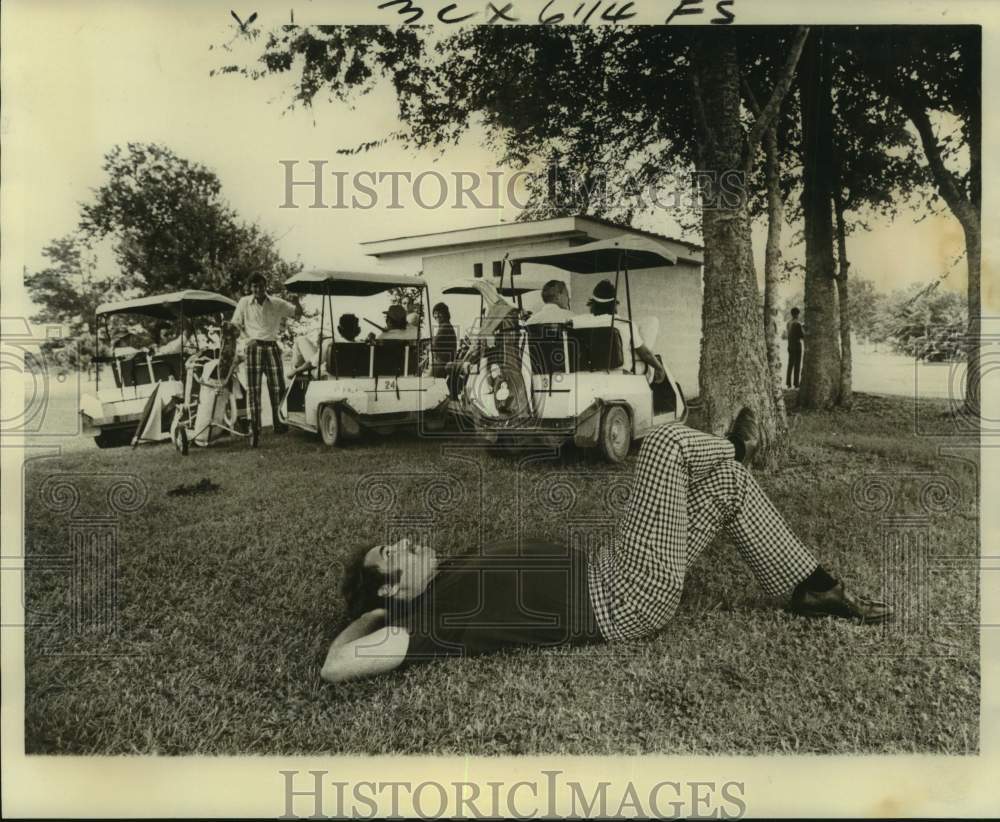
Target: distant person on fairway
(794,335)
(259,315)
(408,605)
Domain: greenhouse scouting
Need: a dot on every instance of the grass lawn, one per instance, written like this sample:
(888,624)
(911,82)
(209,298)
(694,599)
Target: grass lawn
(228,600)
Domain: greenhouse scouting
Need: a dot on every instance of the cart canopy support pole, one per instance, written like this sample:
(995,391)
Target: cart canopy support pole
(631,322)
(611,341)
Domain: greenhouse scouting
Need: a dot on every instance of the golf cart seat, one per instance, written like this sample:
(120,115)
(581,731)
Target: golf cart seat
(168,366)
(116,366)
(390,358)
(595,349)
(545,342)
(135,370)
(348,359)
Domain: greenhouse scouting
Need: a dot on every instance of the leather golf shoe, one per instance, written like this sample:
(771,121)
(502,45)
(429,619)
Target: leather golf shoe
(745,430)
(838,603)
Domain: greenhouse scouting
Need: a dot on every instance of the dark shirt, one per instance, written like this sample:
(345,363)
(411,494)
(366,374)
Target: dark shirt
(795,335)
(445,343)
(500,597)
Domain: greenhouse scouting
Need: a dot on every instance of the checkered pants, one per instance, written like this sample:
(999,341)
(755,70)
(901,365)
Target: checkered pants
(264,358)
(687,489)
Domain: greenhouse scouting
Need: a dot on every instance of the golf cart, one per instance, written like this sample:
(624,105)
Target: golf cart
(582,380)
(144,385)
(377,385)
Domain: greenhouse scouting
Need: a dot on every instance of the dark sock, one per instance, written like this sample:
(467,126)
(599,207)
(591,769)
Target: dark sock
(817,582)
(739,445)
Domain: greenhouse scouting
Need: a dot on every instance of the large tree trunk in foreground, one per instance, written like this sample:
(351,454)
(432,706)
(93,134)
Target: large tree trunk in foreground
(820,382)
(734,371)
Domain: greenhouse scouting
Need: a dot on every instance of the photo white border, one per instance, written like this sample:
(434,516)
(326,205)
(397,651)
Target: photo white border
(789,786)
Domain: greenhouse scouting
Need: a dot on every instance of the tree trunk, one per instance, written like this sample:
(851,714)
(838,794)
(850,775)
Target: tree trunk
(772,259)
(734,371)
(846,392)
(820,382)
(964,202)
(973,252)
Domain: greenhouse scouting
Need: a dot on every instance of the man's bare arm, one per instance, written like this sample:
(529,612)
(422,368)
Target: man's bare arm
(649,358)
(363,625)
(374,653)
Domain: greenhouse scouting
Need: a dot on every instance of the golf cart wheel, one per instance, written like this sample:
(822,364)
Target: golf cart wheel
(181,440)
(616,434)
(329,425)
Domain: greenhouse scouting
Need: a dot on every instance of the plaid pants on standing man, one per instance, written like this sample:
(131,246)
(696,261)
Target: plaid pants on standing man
(264,359)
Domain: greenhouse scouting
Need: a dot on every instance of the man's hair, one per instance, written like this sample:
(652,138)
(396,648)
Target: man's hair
(604,299)
(795,312)
(253,279)
(599,309)
(348,326)
(361,583)
(442,308)
(552,289)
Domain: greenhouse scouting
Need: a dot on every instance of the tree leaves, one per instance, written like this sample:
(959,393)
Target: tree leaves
(169,229)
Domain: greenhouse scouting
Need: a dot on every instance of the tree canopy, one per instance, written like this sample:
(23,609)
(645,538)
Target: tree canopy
(169,229)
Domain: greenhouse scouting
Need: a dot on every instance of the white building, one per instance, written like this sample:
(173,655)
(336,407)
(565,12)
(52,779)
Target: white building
(673,294)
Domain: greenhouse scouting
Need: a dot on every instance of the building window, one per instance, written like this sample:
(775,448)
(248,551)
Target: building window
(497,268)
(477,269)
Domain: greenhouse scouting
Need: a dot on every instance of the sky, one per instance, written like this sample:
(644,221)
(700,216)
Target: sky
(79,78)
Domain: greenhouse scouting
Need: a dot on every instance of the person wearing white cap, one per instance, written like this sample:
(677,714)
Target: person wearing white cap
(604,301)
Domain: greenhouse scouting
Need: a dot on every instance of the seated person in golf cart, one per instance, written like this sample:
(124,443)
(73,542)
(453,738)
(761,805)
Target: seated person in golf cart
(182,341)
(555,305)
(306,346)
(604,303)
(348,327)
(396,325)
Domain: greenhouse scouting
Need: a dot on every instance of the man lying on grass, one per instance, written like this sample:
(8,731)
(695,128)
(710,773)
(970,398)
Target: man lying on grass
(410,606)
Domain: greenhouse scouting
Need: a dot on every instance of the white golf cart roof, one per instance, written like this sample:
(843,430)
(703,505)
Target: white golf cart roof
(350,283)
(617,253)
(191,303)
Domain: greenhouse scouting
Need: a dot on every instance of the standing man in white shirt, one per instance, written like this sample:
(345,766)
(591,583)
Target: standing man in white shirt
(258,315)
